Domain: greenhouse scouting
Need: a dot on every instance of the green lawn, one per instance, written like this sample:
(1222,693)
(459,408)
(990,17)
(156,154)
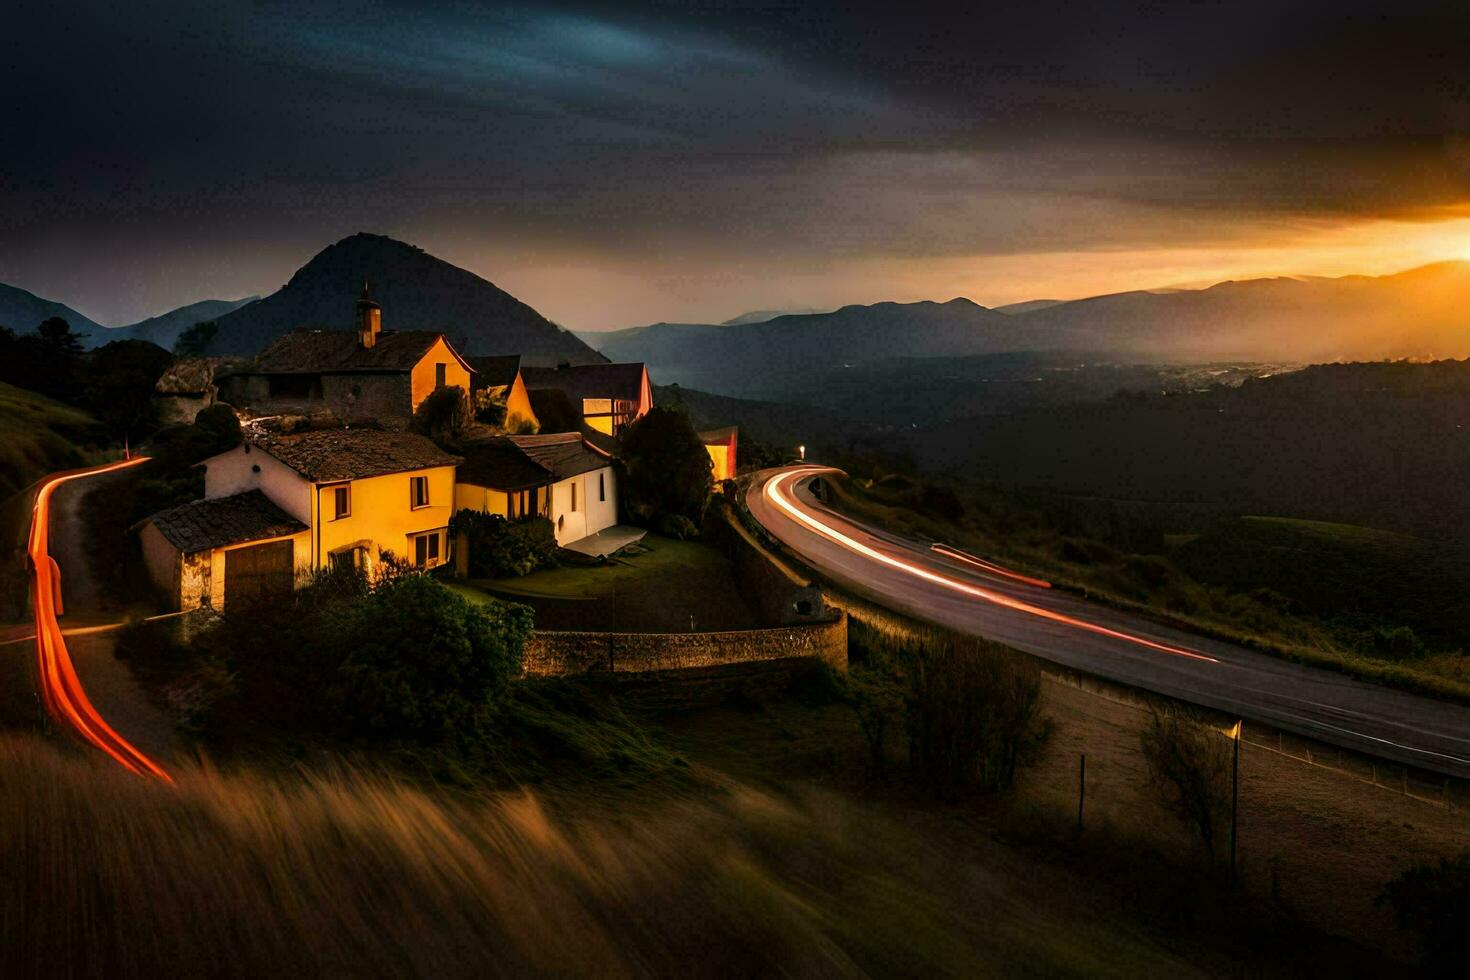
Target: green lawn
(674,586)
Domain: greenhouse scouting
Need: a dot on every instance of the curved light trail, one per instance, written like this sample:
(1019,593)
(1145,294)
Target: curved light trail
(61,689)
(777,492)
(949,551)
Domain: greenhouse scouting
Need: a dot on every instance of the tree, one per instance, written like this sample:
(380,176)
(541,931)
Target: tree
(194,341)
(57,335)
(1189,769)
(443,415)
(119,386)
(665,468)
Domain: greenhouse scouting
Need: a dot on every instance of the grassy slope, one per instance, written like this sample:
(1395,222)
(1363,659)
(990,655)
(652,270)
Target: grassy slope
(657,591)
(37,436)
(1155,585)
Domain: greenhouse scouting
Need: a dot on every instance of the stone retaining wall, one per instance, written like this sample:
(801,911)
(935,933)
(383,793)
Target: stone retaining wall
(553,652)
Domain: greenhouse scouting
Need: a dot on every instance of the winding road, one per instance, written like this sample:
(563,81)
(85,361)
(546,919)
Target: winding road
(61,689)
(963,592)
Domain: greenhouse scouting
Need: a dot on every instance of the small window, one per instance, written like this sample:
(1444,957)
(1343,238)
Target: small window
(439,375)
(418,491)
(574,497)
(601,486)
(341,503)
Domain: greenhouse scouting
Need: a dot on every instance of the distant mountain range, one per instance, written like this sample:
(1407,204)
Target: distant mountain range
(415,290)
(23,312)
(1420,313)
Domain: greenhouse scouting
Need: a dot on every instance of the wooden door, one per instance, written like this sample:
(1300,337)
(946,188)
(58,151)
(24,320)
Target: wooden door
(257,571)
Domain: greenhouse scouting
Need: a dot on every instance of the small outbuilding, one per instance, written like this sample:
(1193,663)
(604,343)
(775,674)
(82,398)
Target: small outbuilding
(558,476)
(223,550)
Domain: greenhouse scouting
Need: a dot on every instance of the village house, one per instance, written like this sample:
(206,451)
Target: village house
(499,379)
(559,476)
(367,374)
(278,508)
(604,397)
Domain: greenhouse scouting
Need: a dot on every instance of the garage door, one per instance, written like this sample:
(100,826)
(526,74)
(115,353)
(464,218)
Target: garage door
(258,570)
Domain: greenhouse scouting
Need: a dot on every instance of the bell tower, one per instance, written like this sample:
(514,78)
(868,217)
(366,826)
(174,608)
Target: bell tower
(369,319)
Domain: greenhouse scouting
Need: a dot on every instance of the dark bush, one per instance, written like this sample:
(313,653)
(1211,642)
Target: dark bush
(1433,902)
(1397,643)
(419,661)
(501,548)
(665,469)
(677,526)
(941,502)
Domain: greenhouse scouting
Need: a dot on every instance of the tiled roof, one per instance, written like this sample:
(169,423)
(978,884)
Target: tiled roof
(579,381)
(338,351)
(522,462)
(494,372)
(352,454)
(565,454)
(214,523)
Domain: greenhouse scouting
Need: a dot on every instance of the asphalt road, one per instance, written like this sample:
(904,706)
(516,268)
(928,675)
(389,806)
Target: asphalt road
(984,600)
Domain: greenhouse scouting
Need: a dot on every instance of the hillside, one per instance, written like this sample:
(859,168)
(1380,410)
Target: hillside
(165,328)
(416,291)
(23,312)
(770,357)
(1381,445)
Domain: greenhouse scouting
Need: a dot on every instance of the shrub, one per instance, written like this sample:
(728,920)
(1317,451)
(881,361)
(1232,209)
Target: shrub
(665,468)
(402,657)
(972,713)
(1189,770)
(501,548)
(1397,643)
(1433,902)
(420,661)
(443,415)
(489,408)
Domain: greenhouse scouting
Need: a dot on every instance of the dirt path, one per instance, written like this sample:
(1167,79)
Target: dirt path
(108,682)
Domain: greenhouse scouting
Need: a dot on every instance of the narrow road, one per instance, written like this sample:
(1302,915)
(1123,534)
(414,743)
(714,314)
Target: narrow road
(973,596)
(61,687)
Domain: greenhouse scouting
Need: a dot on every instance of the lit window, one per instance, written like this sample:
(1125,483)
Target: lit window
(418,491)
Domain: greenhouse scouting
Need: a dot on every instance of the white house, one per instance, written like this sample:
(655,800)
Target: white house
(559,476)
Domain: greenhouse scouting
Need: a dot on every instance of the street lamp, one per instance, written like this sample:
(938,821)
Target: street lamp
(801,453)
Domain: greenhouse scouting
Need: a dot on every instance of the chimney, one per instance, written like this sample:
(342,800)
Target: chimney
(369,319)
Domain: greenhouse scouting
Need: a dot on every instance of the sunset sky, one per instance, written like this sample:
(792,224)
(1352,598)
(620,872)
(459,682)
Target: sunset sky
(614,165)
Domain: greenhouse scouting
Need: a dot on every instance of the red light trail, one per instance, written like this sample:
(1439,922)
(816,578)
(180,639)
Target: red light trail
(61,689)
(776,493)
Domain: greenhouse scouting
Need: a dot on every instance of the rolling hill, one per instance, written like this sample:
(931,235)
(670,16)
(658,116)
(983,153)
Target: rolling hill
(416,291)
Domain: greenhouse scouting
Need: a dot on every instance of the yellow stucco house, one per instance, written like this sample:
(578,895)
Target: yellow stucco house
(278,508)
(369,373)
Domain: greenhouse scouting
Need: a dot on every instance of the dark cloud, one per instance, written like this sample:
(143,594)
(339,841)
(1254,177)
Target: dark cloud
(158,152)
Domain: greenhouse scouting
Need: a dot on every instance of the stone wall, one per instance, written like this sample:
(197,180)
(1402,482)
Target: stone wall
(777,592)
(552,653)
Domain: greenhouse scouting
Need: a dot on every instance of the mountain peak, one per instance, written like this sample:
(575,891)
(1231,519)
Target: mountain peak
(416,291)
